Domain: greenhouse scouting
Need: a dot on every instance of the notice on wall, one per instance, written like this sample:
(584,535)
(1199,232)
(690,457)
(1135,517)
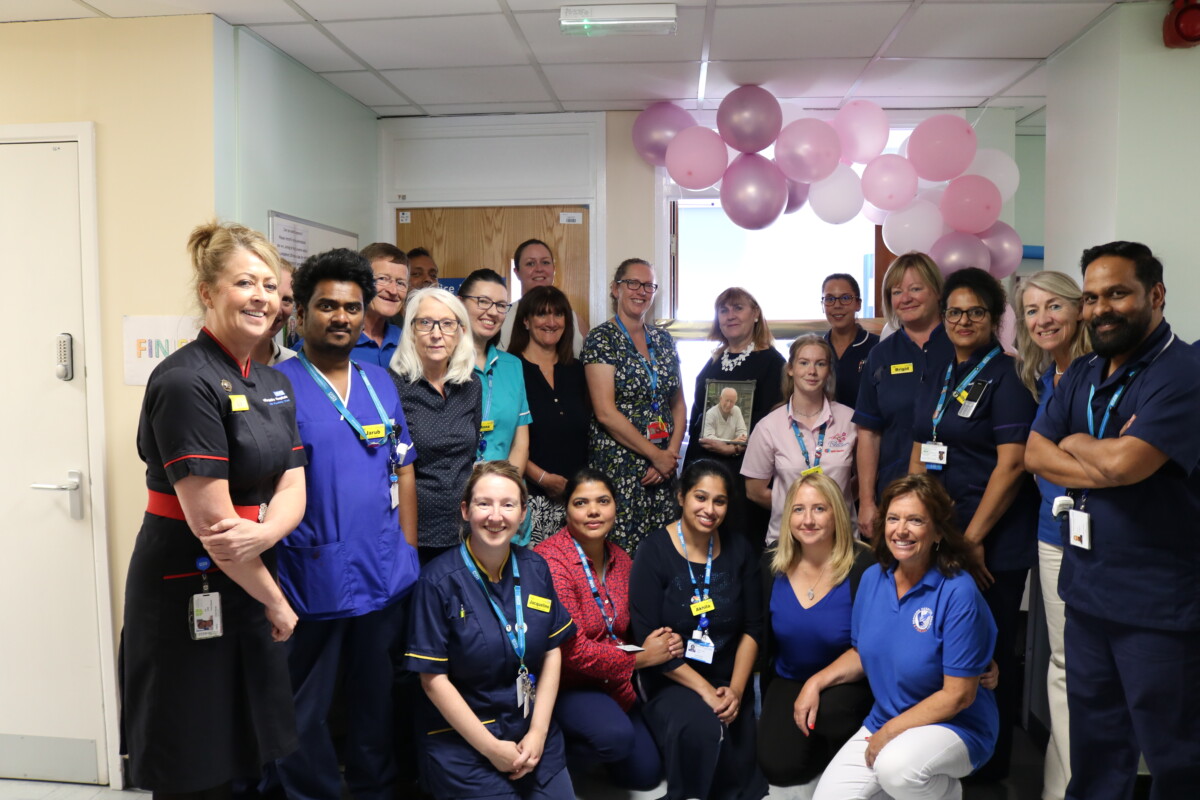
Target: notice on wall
(147,340)
(291,239)
(297,239)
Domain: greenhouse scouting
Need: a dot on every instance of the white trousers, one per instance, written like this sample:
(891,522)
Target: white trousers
(922,763)
(1057,771)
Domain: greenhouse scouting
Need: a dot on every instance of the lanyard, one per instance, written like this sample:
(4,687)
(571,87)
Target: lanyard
(651,365)
(587,571)
(489,373)
(696,595)
(943,398)
(803,448)
(518,639)
(319,379)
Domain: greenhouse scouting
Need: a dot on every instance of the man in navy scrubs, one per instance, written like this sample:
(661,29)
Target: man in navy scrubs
(350,565)
(1121,431)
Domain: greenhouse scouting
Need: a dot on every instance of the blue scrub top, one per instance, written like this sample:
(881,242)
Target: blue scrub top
(941,626)
(454,631)
(1003,415)
(849,367)
(504,402)
(1144,565)
(1050,530)
(348,556)
(892,377)
(367,352)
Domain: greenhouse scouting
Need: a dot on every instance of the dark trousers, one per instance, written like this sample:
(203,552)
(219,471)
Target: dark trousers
(788,757)
(1004,599)
(597,730)
(359,649)
(705,758)
(1131,688)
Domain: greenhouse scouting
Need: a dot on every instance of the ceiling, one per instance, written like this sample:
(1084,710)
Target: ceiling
(440,57)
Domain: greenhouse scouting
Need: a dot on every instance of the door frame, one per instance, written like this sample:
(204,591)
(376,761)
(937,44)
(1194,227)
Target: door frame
(83,134)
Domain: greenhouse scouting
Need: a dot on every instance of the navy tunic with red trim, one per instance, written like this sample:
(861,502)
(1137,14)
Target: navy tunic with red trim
(196,714)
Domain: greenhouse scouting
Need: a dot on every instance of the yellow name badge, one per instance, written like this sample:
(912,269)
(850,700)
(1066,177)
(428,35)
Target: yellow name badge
(812,470)
(703,607)
(237,402)
(539,603)
(374,431)
(901,369)
(961,397)
(487,426)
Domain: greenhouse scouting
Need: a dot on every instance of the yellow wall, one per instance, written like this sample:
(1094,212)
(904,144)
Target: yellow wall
(147,84)
(629,212)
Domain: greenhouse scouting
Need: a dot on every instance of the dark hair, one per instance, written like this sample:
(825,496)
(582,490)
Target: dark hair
(950,556)
(418,252)
(1146,265)
(521,247)
(843,276)
(482,275)
(985,287)
(384,251)
(623,268)
(544,300)
(701,469)
(588,475)
(340,264)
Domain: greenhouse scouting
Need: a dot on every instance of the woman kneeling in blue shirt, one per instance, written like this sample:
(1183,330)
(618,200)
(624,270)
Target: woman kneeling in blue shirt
(922,635)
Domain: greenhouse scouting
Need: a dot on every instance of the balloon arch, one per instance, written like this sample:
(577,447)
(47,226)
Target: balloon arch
(954,217)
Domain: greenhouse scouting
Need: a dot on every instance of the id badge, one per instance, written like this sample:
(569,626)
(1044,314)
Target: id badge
(374,432)
(700,648)
(631,648)
(657,430)
(702,607)
(487,426)
(1080,529)
(526,694)
(394,493)
(205,616)
(933,455)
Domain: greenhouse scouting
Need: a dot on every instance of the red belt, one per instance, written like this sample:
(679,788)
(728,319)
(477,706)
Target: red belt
(167,505)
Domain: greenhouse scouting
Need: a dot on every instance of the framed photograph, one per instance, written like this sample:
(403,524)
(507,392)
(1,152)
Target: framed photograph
(727,407)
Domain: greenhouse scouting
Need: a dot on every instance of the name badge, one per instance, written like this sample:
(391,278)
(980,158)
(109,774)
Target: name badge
(487,426)
(237,402)
(901,369)
(374,431)
(700,648)
(702,607)
(657,430)
(1079,529)
(538,603)
(812,470)
(933,455)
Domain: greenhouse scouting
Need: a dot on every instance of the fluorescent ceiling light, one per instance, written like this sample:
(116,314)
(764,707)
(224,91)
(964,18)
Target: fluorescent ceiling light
(644,19)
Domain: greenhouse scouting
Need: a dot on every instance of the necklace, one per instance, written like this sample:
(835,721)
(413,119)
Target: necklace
(1058,371)
(812,589)
(730,364)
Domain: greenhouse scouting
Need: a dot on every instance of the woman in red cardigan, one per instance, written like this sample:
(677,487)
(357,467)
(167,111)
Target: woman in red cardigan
(598,709)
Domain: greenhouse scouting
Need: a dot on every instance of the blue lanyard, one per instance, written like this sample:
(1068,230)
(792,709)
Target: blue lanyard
(1116,398)
(696,595)
(319,379)
(651,365)
(940,409)
(489,372)
(587,571)
(803,447)
(518,639)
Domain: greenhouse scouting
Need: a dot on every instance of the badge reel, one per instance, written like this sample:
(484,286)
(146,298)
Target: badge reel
(526,692)
(204,617)
(933,455)
(700,647)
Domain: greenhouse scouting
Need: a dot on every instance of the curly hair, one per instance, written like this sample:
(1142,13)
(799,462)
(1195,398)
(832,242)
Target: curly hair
(339,264)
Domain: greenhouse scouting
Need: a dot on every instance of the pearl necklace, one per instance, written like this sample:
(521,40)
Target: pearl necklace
(730,364)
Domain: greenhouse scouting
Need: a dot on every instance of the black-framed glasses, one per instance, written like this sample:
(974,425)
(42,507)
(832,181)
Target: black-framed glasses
(638,286)
(485,303)
(974,313)
(838,299)
(425,325)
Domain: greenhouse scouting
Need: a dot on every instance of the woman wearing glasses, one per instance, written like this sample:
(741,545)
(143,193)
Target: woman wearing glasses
(842,300)
(504,435)
(970,423)
(433,370)
(632,372)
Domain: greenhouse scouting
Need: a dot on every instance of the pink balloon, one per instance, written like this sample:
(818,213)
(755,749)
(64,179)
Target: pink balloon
(797,195)
(889,182)
(838,198)
(942,147)
(957,250)
(873,213)
(749,118)
(913,228)
(753,192)
(1008,330)
(696,157)
(863,129)
(654,129)
(971,204)
(808,150)
(1006,249)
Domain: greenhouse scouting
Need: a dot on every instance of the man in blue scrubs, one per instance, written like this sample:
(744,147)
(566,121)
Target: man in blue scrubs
(351,563)
(1121,431)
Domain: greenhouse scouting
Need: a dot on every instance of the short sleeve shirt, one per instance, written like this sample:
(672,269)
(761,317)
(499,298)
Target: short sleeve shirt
(850,365)
(367,351)
(606,344)
(505,406)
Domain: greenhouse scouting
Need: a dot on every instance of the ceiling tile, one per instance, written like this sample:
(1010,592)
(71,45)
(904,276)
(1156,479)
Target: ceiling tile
(491,108)
(144,8)
(469,84)
(992,30)
(809,31)
(923,102)
(235,12)
(307,45)
(651,82)
(620,105)
(549,45)
(323,10)
(35,10)
(1032,85)
(364,87)
(555,5)
(813,77)
(899,77)
(396,111)
(485,40)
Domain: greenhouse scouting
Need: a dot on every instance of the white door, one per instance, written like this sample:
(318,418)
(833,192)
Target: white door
(52,710)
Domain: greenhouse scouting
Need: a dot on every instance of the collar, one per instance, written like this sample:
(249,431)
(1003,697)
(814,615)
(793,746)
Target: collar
(482,568)
(493,355)
(939,330)
(930,580)
(391,337)
(1145,353)
(243,368)
(977,355)
(826,415)
(861,335)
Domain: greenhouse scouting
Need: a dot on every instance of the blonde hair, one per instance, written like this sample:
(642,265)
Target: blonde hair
(788,550)
(789,383)
(1035,360)
(763,339)
(925,268)
(212,244)
(405,361)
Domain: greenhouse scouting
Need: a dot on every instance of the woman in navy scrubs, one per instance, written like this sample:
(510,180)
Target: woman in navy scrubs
(842,300)
(971,424)
(894,374)
(484,636)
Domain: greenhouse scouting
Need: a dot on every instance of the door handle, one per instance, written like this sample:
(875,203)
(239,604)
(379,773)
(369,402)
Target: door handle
(72,486)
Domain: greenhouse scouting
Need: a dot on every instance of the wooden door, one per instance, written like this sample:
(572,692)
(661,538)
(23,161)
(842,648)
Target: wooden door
(464,239)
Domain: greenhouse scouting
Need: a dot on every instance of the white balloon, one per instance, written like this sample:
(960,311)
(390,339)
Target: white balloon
(838,198)
(997,167)
(874,213)
(915,227)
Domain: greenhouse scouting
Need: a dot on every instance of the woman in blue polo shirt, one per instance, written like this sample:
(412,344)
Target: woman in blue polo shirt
(923,636)
(971,421)
(484,636)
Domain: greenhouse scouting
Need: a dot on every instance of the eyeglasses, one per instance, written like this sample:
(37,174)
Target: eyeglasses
(425,325)
(838,299)
(485,303)
(388,280)
(974,313)
(638,286)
